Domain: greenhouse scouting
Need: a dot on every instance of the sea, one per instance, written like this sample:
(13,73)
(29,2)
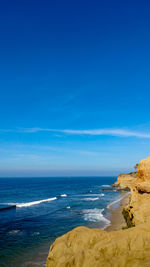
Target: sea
(35,211)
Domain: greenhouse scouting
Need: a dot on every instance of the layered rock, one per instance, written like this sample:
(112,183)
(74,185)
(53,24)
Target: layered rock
(84,247)
(138,208)
(124,181)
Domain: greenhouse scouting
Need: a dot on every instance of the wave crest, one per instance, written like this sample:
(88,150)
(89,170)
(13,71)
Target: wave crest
(91,198)
(28,204)
(95,215)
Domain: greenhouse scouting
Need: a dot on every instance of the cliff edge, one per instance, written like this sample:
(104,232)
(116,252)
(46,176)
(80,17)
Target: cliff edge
(84,247)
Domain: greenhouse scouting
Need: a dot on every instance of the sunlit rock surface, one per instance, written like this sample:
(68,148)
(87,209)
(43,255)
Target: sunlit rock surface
(125,248)
(124,181)
(143,171)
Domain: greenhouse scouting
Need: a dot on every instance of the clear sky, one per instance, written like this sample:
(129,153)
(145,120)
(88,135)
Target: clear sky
(74,86)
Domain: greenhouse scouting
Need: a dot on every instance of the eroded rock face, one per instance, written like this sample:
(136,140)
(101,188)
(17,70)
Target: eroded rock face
(143,187)
(143,171)
(143,176)
(124,181)
(84,247)
(138,208)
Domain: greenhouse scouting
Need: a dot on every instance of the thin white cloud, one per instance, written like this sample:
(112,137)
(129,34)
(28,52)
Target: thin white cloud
(106,132)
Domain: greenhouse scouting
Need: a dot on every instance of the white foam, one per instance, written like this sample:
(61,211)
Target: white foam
(14,232)
(95,215)
(91,199)
(68,207)
(114,202)
(117,200)
(35,233)
(63,195)
(28,204)
(93,195)
(105,185)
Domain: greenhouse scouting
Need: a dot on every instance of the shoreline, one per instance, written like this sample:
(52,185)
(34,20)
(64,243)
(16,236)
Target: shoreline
(125,242)
(116,218)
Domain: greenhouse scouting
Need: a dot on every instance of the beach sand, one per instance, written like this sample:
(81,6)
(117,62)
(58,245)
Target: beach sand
(117,219)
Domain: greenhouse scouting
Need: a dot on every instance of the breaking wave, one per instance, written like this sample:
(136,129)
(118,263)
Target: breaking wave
(91,198)
(93,195)
(95,215)
(14,232)
(117,200)
(28,204)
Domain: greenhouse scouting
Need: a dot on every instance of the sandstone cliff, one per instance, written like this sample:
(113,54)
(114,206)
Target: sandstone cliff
(94,247)
(124,181)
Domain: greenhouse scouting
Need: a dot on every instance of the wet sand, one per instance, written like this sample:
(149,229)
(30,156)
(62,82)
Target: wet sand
(117,219)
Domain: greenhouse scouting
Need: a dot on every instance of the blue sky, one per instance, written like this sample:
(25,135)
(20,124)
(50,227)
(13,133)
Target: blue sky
(74,87)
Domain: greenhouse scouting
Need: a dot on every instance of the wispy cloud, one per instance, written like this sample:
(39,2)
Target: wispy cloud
(98,132)
(111,132)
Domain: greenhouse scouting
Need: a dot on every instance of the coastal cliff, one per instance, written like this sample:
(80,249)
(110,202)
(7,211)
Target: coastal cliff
(124,248)
(124,181)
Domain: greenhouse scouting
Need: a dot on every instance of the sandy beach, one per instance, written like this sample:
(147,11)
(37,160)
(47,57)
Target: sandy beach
(117,219)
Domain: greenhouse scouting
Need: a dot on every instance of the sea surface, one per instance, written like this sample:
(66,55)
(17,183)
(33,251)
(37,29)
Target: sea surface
(46,208)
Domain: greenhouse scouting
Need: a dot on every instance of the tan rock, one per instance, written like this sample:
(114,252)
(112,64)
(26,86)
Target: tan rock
(84,247)
(124,181)
(143,176)
(138,208)
(143,187)
(143,171)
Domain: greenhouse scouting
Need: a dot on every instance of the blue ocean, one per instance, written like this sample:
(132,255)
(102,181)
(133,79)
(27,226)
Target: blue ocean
(45,208)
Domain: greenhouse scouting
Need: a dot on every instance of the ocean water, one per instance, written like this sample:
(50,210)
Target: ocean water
(45,209)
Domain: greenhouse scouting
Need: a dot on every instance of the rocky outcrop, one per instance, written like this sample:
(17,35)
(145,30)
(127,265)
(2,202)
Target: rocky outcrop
(143,187)
(143,176)
(124,181)
(84,247)
(138,208)
(143,171)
